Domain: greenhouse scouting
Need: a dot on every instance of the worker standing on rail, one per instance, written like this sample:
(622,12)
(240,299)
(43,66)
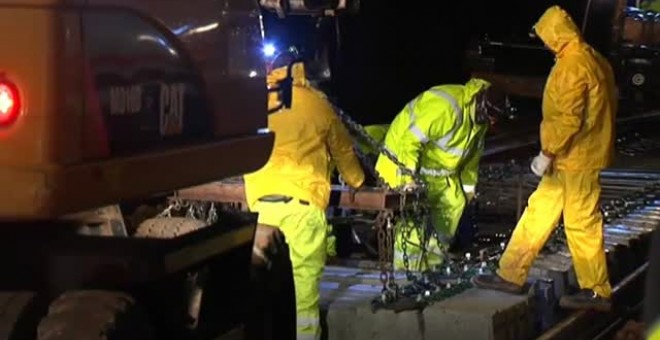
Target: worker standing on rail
(439,134)
(291,192)
(577,138)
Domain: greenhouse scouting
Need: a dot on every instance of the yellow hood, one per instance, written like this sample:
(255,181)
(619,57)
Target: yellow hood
(297,73)
(474,86)
(557,29)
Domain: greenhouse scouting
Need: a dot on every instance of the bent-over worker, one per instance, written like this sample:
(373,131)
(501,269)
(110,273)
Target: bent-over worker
(440,135)
(577,138)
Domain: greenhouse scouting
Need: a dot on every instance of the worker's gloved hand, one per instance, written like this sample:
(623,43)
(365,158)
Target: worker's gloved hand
(352,191)
(540,164)
(268,241)
(469,191)
(410,187)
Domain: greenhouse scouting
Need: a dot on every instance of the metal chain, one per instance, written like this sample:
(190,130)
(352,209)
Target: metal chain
(382,248)
(389,244)
(362,133)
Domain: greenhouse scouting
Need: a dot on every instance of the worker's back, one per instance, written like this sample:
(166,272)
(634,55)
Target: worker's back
(306,137)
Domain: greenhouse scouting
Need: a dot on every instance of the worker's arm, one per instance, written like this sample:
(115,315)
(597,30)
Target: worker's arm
(340,145)
(408,152)
(567,103)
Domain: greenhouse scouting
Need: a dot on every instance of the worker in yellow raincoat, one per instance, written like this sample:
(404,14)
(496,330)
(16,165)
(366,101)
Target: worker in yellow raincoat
(292,190)
(440,135)
(577,138)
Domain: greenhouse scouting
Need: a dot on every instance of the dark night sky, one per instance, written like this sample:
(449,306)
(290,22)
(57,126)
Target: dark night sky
(393,50)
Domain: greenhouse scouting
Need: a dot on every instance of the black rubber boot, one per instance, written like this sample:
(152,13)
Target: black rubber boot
(495,282)
(585,299)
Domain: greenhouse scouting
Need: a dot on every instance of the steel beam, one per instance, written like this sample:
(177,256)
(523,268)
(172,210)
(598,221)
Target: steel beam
(234,192)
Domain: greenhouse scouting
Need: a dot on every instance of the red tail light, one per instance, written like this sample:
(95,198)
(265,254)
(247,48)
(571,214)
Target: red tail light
(10,103)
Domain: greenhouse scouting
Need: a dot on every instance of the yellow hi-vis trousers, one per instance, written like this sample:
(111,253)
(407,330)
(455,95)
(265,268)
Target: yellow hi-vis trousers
(420,257)
(576,194)
(447,201)
(305,229)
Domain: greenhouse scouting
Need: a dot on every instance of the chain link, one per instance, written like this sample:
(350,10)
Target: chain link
(382,247)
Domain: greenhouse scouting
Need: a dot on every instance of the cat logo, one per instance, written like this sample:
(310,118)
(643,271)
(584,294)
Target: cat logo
(171,108)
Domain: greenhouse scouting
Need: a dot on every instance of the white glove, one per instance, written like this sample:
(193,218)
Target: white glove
(469,191)
(410,187)
(540,164)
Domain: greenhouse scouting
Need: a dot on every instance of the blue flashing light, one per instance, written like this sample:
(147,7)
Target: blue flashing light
(269,50)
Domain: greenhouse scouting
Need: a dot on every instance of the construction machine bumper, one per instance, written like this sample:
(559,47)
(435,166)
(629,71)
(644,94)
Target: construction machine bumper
(47,258)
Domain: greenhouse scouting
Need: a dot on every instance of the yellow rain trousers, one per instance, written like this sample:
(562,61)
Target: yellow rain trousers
(437,136)
(304,227)
(579,108)
(331,241)
(576,193)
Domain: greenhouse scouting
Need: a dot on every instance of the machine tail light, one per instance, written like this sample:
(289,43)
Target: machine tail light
(10,103)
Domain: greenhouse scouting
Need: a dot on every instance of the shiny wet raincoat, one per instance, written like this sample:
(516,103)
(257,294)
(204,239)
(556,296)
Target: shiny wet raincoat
(579,106)
(436,135)
(308,136)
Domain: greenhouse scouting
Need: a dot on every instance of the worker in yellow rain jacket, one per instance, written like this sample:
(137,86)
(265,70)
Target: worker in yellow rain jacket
(577,138)
(292,190)
(440,135)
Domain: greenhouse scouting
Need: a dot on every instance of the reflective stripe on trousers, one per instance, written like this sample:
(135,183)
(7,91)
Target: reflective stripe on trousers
(305,229)
(308,328)
(442,143)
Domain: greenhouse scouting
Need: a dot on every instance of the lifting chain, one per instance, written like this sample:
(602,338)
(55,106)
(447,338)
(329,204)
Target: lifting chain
(363,134)
(385,247)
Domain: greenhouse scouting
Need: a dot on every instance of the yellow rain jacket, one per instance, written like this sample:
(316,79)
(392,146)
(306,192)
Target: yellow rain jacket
(576,128)
(306,137)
